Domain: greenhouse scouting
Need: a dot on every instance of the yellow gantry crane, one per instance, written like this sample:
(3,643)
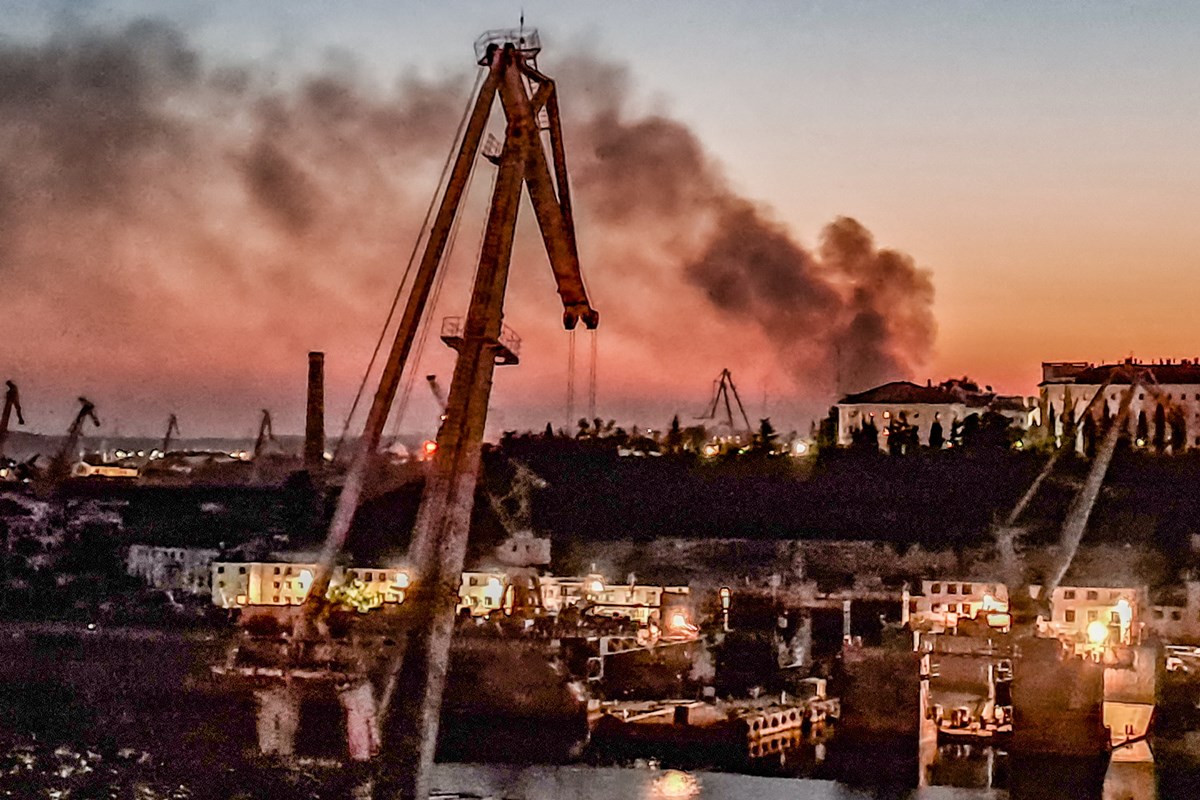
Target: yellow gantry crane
(417,672)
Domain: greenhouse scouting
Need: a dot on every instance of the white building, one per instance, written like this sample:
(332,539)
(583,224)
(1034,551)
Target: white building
(281,583)
(185,569)
(941,605)
(1166,416)
(1094,616)
(903,404)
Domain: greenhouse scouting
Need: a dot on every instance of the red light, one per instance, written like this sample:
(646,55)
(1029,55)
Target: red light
(430,447)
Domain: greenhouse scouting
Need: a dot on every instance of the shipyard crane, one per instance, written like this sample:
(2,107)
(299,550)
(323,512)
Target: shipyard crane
(722,388)
(172,428)
(265,434)
(1075,522)
(415,667)
(60,466)
(12,402)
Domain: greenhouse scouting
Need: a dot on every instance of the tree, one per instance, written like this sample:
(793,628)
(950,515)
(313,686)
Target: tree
(766,438)
(1160,428)
(937,438)
(865,438)
(1178,430)
(674,440)
(549,432)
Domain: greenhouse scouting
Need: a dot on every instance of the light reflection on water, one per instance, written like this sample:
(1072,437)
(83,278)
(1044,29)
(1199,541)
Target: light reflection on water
(623,783)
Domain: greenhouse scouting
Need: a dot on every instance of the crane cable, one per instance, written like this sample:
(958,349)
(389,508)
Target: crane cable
(422,233)
(570,380)
(401,406)
(592,376)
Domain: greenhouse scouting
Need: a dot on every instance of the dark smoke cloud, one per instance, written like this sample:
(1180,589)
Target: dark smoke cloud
(192,229)
(852,309)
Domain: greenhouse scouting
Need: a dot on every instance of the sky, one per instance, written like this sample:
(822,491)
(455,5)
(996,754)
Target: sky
(1021,176)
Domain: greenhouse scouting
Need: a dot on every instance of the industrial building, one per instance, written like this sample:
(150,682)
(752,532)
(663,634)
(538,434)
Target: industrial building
(926,414)
(1164,413)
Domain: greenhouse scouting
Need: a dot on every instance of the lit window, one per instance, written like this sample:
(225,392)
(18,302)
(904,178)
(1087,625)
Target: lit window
(951,588)
(1093,615)
(935,588)
(966,588)
(1115,618)
(1069,615)
(276,600)
(952,608)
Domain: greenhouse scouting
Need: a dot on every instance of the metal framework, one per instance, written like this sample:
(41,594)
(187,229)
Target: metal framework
(413,658)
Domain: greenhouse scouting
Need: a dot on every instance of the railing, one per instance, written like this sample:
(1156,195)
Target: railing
(526,40)
(455,328)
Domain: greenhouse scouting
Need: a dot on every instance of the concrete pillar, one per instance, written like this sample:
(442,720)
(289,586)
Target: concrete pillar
(362,720)
(278,720)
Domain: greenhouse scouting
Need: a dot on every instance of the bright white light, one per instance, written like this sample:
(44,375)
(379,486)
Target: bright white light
(711,450)
(304,580)
(801,448)
(1097,632)
(597,587)
(678,620)
(493,591)
(402,580)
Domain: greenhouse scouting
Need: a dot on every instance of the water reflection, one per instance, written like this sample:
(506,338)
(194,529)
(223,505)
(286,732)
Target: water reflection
(674,785)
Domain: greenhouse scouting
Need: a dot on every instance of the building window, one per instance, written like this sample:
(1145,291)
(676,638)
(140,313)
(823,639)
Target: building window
(1069,615)
(471,582)
(276,584)
(220,570)
(966,588)
(1093,615)
(951,588)
(241,570)
(370,577)
(1069,594)
(277,570)
(276,600)
(935,588)
(1158,613)
(935,607)
(952,608)
(912,606)
(1175,615)
(220,584)
(1141,396)
(1093,595)
(1115,618)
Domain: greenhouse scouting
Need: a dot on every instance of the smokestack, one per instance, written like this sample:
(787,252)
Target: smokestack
(314,427)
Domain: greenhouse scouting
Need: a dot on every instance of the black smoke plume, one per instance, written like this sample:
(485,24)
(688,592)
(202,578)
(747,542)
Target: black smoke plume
(193,229)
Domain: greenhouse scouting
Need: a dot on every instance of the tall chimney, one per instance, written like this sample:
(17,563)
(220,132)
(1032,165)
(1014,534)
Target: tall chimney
(314,427)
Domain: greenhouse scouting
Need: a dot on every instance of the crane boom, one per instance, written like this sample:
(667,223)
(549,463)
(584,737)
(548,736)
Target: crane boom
(265,434)
(12,402)
(59,468)
(172,428)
